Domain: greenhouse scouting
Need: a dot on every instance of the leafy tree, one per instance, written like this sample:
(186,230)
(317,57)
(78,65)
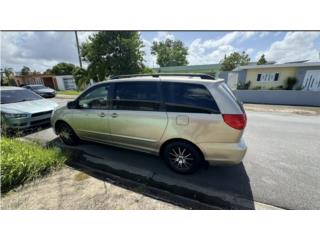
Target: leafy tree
(170,53)
(8,77)
(147,70)
(233,60)
(63,69)
(81,76)
(262,60)
(25,70)
(48,71)
(113,53)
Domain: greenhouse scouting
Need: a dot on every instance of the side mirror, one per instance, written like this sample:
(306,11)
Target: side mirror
(72,105)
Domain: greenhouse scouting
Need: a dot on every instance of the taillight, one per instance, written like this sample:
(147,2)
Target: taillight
(237,121)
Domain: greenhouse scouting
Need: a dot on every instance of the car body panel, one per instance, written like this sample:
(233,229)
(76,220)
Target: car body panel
(140,129)
(37,112)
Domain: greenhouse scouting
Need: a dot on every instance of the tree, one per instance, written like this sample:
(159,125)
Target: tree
(147,70)
(233,60)
(63,69)
(8,77)
(113,53)
(262,60)
(170,53)
(25,70)
(81,77)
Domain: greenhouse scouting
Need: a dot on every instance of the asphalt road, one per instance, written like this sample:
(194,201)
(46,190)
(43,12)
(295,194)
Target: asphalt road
(281,167)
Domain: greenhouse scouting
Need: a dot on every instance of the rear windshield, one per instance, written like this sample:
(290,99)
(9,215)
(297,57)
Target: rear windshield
(38,87)
(14,96)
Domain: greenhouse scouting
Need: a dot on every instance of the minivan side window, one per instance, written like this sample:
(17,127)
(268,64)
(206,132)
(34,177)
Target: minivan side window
(136,96)
(97,98)
(188,97)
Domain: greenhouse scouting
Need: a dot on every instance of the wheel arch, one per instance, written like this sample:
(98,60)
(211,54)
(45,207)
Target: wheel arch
(179,140)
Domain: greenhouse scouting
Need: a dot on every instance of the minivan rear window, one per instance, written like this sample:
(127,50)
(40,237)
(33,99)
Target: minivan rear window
(188,97)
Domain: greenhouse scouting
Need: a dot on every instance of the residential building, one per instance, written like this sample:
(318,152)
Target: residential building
(211,69)
(65,82)
(275,76)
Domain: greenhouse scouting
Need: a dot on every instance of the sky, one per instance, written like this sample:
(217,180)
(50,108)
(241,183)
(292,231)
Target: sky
(42,50)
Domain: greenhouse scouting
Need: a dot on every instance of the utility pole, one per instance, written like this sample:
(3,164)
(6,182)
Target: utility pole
(77,40)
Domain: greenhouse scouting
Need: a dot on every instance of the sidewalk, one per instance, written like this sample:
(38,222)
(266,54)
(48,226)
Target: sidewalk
(309,111)
(72,189)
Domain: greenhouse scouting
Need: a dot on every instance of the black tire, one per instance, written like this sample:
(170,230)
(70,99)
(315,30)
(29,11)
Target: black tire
(66,134)
(182,157)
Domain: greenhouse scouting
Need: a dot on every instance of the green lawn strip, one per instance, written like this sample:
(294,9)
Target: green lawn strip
(69,92)
(24,161)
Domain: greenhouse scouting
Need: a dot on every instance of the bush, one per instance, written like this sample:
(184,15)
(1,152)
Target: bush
(256,88)
(291,81)
(23,161)
(244,86)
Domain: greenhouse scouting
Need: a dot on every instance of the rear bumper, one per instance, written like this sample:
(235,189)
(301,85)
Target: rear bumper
(223,153)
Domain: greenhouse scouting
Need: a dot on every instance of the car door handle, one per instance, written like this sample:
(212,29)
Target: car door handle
(114,115)
(102,114)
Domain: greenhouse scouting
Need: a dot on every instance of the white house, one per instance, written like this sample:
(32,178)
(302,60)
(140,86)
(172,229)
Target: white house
(66,82)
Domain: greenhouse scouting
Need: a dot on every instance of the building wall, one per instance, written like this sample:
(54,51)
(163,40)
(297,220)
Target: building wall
(302,72)
(284,73)
(61,82)
(280,97)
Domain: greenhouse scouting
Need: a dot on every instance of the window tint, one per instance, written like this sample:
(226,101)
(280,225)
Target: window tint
(136,96)
(95,99)
(276,78)
(186,97)
(13,96)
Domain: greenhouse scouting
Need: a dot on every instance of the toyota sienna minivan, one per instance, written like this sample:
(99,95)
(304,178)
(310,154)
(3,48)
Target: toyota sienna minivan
(185,119)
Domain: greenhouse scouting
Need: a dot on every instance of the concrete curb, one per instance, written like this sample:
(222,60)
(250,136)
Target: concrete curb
(66,96)
(192,196)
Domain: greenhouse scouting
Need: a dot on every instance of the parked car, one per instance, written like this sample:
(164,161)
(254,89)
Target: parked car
(22,108)
(184,119)
(42,90)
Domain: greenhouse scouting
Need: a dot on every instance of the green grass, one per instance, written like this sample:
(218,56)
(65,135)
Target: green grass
(23,161)
(69,92)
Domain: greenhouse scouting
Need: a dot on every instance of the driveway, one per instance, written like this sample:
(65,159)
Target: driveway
(281,167)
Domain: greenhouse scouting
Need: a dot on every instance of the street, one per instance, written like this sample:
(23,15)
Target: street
(281,167)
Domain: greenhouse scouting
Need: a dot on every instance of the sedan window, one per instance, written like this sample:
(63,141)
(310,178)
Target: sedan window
(13,96)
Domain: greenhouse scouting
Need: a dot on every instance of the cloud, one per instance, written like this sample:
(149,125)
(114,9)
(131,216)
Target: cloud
(161,36)
(263,34)
(149,59)
(37,50)
(214,50)
(293,47)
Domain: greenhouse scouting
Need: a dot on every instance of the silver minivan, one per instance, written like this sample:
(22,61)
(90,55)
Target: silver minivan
(185,119)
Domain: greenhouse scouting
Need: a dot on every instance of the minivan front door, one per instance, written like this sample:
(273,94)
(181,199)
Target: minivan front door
(136,119)
(91,118)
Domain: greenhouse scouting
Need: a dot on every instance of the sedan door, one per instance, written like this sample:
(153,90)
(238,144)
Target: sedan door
(90,119)
(136,119)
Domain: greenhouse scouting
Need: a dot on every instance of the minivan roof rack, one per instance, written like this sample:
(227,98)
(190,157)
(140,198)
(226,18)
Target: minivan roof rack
(202,76)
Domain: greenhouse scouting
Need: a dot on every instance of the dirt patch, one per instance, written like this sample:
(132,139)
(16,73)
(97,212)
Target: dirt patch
(307,111)
(81,176)
(72,189)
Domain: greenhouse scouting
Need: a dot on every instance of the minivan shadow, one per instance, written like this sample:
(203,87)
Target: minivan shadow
(216,187)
